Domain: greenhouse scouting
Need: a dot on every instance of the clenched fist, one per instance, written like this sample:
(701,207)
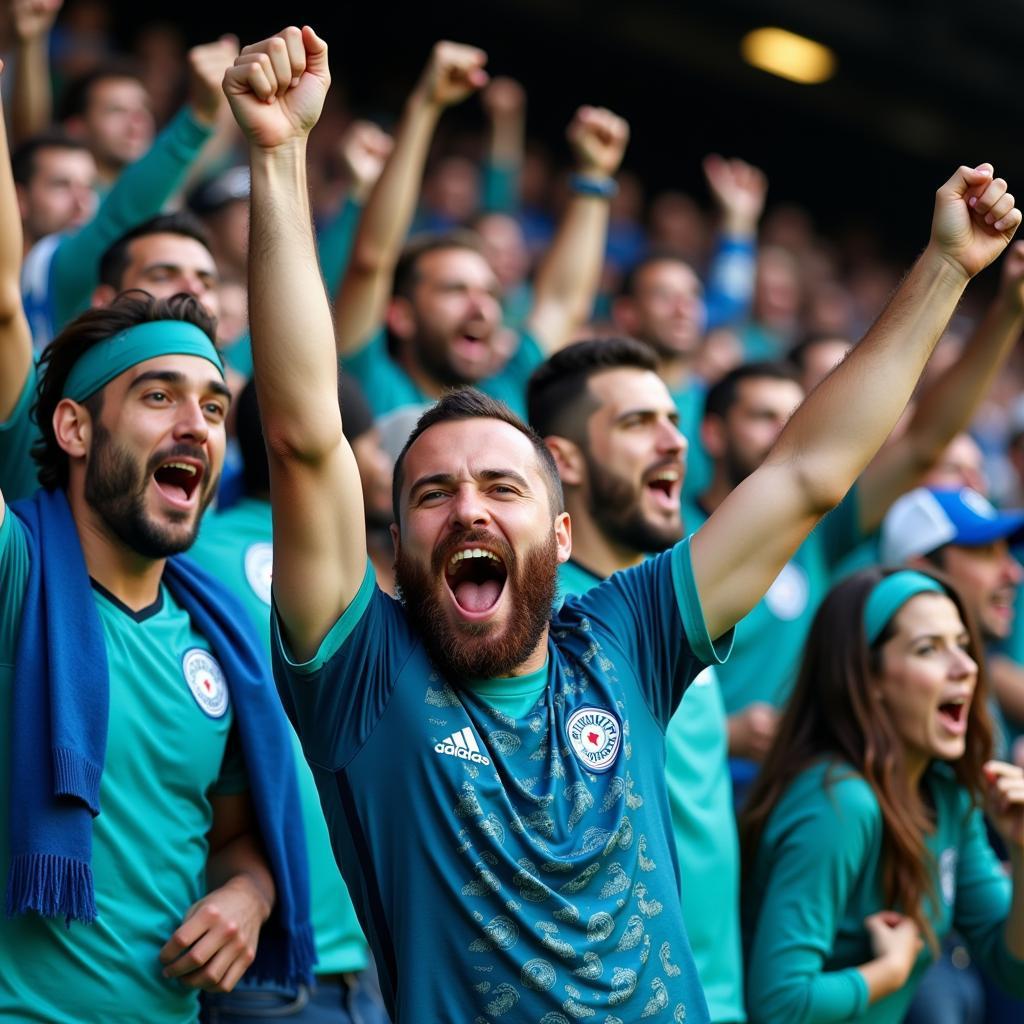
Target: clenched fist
(453,73)
(598,139)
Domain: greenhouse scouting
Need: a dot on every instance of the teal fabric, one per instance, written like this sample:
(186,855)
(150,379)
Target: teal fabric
(149,841)
(18,434)
(770,638)
(817,874)
(542,843)
(700,799)
(889,595)
(237,547)
(100,364)
(334,243)
(699,468)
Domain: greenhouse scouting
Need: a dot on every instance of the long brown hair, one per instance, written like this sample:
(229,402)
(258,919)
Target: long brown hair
(832,717)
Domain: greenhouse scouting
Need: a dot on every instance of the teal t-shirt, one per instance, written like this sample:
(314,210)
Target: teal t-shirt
(770,638)
(18,477)
(397,401)
(237,547)
(699,469)
(167,753)
(818,873)
(513,868)
(700,799)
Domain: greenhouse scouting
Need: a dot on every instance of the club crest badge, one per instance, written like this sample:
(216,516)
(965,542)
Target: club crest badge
(259,565)
(595,736)
(787,596)
(206,680)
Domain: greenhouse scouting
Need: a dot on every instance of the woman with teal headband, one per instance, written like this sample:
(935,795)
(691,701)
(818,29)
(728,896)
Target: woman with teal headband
(864,839)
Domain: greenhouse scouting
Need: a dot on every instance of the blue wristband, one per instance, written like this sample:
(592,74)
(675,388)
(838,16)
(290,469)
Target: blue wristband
(602,188)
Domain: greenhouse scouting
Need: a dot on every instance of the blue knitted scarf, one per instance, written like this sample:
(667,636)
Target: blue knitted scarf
(59,734)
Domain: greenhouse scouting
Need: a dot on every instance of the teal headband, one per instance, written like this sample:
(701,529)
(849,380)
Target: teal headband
(890,595)
(103,362)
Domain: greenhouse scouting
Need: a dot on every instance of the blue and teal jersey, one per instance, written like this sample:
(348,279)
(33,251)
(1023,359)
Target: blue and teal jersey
(18,470)
(700,799)
(513,867)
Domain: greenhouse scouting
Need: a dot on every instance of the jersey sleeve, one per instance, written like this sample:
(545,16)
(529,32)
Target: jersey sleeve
(730,287)
(983,898)
(337,697)
(653,613)
(140,193)
(335,244)
(14,570)
(233,778)
(810,867)
(840,530)
(18,477)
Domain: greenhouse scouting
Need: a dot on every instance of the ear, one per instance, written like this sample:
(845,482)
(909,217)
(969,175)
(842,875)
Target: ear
(712,436)
(103,295)
(624,314)
(72,426)
(400,318)
(568,458)
(563,536)
(396,539)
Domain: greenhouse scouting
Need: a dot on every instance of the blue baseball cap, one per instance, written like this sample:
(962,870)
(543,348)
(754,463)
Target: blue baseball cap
(925,519)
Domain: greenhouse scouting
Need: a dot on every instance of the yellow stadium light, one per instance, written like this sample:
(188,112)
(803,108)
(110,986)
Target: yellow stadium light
(788,55)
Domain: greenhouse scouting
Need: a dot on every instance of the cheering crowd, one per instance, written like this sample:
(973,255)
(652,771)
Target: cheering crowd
(429,593)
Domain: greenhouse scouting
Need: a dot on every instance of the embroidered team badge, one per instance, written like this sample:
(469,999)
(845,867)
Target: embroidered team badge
(206,680)
(594,735)
(259,564)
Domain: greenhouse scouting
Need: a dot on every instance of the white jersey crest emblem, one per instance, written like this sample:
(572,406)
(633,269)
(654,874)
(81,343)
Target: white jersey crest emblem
(206,680)
(259,565)
(595,736)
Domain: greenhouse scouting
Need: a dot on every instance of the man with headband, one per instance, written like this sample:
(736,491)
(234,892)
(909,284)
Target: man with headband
(513,859)
(145,855)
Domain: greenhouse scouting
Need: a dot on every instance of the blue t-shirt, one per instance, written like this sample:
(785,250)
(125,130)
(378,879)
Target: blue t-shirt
(513,868)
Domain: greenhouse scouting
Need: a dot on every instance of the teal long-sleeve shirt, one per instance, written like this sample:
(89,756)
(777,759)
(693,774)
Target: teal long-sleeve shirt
(61,272)
(817,875)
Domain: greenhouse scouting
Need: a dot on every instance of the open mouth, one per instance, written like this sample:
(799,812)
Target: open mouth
(953,715)
(476,577)
(664,483)
(178,480)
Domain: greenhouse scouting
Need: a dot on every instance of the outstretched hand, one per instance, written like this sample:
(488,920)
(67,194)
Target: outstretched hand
(598,139)
(453,73)
(277,87)
(975,218)
(739,191)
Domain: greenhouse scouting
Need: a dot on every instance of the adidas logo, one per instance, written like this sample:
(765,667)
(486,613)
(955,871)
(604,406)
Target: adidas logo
(463,745)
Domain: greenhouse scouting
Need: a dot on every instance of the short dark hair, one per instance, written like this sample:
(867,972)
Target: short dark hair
(467,404)
(85,331)
(23,158)
(559,384)
(722,395)
(114,260)
(407,268)
(662,255)
(77,94)
(798,353)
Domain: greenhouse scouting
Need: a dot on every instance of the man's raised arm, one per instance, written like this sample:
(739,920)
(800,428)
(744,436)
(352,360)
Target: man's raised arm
(276,90)
(453,73)
(845,420)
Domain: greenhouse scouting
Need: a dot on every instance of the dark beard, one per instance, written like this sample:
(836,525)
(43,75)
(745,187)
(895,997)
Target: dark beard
(114,487)
(614,506)
(470,651)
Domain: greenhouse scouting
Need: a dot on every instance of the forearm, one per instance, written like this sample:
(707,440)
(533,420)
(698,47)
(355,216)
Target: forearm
(240,864)
(32,105)
(292,334)
(846,419)
(1014,933)
(882,977)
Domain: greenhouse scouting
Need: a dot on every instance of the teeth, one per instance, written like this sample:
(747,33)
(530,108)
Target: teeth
(472,553)
(180,465)
(669,475)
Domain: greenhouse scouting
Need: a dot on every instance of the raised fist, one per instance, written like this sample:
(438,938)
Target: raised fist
(453,72)
(504,97)
(276,88)
(598,139)
(207,65)
(739,191)
(975,218)
(33,18)
(364,149)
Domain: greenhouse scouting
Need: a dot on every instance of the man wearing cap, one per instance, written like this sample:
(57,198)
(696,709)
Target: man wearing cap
(222,204)
(146,855)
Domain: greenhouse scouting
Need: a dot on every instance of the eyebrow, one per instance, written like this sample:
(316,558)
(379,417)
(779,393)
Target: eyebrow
(673,414)
(178,268)
(449,479)
(176,378)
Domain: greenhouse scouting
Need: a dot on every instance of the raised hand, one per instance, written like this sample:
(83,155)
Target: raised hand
(739,191)
(503,98)
(1011,280)
(598,139)
(453,72)
(207,64)
(1004,802)
(32,19)
(975,218)
(364,148)
(276,88)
